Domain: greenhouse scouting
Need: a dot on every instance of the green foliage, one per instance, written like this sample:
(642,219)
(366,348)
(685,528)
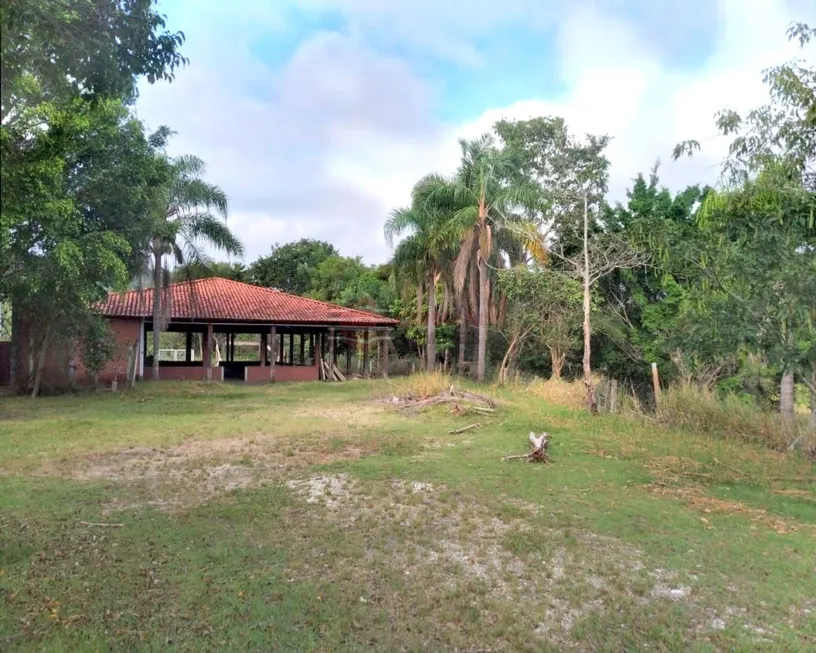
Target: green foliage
(74,202)
(199,270)
(98,344)
(53,50)
(347,281)
(79,176)
(548,305)
(291,267)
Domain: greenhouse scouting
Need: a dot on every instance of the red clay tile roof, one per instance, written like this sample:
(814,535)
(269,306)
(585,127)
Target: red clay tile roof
(223,300)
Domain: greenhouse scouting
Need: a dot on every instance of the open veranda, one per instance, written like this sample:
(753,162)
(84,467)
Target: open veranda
(326,517)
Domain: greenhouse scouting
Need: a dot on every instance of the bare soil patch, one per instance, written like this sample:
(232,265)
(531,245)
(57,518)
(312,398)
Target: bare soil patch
(449,543)
(196,470)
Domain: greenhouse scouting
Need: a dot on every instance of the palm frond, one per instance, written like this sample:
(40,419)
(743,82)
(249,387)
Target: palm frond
(399,221)
(463,259)
(191,194)
(206,227)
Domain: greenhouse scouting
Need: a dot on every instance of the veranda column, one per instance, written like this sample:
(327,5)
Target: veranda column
(331,347)
(208,341)
(272,339)
(386,341)
(264,354)
(365,354)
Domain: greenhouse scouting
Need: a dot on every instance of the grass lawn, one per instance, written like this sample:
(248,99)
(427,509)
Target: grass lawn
(314,517)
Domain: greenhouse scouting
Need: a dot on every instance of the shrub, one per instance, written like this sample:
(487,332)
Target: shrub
(422,385)
(558,392)
(704,411)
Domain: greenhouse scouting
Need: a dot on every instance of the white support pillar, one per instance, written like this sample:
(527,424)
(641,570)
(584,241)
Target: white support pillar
(141,350)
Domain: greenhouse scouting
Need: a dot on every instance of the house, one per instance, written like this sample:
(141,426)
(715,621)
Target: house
(294,334)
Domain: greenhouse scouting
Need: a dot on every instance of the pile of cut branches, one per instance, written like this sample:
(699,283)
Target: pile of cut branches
(538,449)
(462,402)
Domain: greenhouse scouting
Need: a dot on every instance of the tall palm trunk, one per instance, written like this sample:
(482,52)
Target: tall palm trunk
(591,402)
(786,395)
(462,334)
(431,337)
(157,288)
(483,308)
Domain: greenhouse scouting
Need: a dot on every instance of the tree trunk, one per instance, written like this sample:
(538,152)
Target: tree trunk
(35,390)
(462,335)
(592,405)
(157,288)
(483,308)
(508,359)
(16,377)
(786,395)
(431,337)
(557,357)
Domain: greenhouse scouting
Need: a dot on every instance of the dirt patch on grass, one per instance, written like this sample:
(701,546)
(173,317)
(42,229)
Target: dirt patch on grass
(197,470)
(499,555)
(694,497)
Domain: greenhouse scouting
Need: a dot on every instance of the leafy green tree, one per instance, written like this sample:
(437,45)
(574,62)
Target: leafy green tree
(190,214)
(570,176)
(77,169)
(370,290)
(642,308)
(52,50)
(545,307)
(762,223)
(334,275)
(292,266)
(73,209)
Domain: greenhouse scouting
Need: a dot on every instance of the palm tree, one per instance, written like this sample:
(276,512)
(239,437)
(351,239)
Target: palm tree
(422,256)
(192,214)
(483,192)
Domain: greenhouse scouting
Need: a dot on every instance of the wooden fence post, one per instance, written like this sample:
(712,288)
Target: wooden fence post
(613,396)
(656,384)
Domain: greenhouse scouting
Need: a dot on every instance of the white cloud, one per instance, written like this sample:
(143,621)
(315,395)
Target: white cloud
(328,144)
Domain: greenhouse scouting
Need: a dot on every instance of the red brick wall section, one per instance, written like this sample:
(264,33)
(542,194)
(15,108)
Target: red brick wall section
(189,373)
(126,334)
(283,373)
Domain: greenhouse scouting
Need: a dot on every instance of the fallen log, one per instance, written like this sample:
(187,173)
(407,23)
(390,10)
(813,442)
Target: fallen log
(472,396)
(465,428)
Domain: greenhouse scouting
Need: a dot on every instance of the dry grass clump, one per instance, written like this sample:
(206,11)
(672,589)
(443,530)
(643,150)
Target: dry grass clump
(701,410)
(422,385)
(558,392)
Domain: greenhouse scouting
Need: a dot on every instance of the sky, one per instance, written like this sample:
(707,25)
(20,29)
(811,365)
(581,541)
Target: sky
(316,117)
